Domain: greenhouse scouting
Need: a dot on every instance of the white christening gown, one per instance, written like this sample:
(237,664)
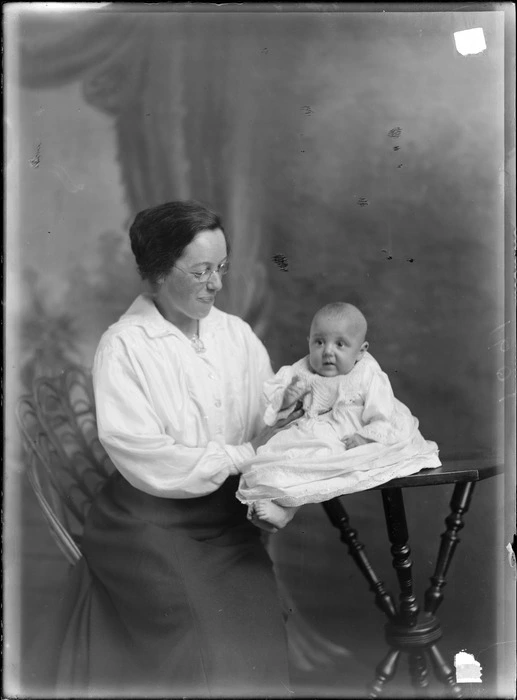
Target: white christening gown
(308,463)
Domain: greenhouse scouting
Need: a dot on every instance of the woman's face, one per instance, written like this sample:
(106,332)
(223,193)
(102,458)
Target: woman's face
(180,296)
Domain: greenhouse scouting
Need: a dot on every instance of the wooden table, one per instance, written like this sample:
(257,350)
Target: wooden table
(408,629)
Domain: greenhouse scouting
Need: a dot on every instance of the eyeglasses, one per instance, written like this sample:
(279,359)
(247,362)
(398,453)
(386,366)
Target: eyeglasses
(204,276)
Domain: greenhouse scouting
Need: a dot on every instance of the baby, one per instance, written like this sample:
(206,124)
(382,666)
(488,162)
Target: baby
(354,433)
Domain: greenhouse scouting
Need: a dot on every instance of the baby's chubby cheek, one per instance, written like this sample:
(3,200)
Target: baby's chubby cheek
(314,363)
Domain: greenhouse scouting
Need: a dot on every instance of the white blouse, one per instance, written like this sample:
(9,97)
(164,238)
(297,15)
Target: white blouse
(176,423)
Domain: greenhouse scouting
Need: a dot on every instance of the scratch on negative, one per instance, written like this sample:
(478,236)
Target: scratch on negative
(495,644)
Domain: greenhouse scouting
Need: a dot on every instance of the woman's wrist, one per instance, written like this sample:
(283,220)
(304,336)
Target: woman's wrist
(238,454)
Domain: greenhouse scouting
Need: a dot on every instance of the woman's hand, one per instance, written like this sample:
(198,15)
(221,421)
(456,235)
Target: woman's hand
(271,430)
(294,392)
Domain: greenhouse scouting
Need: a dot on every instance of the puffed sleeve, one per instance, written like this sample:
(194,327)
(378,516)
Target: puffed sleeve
(134,435)
(381,422)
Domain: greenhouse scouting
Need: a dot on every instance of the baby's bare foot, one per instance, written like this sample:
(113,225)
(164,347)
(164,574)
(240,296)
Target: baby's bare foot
(257,521)
(270,515)
(263,524)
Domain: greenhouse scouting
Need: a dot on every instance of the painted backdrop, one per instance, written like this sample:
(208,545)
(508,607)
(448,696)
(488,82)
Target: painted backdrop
(354,156)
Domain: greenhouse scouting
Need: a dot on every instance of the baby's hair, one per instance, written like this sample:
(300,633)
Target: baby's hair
(345,311)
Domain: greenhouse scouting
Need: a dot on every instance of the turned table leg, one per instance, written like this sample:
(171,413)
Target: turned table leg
(339,518)
(459,505)
(443,671)
(384,672)
(398,535)
(418,669)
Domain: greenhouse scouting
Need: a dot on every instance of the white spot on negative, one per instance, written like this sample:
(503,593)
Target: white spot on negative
(468,670)
(470,41)
(511,557)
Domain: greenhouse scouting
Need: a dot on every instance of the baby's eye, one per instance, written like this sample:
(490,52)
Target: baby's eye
(340,344)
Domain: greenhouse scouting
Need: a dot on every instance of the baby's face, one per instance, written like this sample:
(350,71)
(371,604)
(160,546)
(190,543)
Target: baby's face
(334,346)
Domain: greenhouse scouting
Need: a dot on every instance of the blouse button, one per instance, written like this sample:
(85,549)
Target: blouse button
(217,403)
(211,376)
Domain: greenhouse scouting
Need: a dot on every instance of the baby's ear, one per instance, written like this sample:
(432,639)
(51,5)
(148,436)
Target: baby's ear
(364,347)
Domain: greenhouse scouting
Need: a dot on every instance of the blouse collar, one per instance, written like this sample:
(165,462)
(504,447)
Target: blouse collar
(144,314)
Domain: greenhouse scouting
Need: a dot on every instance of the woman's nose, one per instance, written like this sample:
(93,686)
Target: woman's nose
(215,281)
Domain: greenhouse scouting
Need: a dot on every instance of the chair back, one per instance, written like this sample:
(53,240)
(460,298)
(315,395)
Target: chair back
(66,463)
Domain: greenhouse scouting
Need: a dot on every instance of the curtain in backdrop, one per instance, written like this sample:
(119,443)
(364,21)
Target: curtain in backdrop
(195,107)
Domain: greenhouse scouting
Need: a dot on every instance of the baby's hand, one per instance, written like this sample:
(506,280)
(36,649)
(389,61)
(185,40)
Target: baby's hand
(293,392)
(354,441)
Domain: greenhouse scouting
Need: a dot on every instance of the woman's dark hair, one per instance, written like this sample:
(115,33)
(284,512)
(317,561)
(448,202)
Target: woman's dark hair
(159,235)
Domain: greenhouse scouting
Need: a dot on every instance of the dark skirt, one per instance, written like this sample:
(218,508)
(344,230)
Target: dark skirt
(172,598)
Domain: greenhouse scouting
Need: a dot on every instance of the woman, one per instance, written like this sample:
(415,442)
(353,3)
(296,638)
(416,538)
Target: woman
(176,594)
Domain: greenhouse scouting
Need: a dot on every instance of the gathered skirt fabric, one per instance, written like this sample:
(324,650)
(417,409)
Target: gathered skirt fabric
(173,598)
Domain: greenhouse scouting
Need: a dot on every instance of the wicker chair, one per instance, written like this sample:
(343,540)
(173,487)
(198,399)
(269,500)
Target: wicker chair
(66,463)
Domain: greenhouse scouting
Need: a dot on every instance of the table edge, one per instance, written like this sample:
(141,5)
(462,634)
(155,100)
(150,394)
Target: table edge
(451,472)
